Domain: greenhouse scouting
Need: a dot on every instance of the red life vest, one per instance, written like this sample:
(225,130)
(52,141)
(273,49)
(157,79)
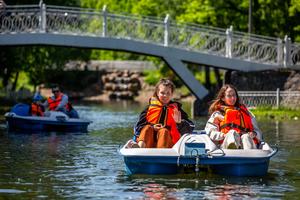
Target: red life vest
(236,118)
(37,110)
(53,103)
(154,117)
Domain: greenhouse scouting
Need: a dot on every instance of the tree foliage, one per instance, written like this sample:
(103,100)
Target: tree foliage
(269,18)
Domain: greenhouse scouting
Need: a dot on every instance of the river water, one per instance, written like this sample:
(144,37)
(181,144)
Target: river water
(88,166)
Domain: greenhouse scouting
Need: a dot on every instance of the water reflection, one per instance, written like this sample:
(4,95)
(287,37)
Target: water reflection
(158,191)
(205,187)
(107,117)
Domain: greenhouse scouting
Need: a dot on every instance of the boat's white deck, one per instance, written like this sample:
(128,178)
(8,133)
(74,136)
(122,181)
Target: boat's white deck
(179,149)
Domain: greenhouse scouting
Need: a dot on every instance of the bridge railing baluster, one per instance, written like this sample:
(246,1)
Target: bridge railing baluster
(166,32)
(229,42)
(279,52)
(43,18)
(104,22)
(287,51)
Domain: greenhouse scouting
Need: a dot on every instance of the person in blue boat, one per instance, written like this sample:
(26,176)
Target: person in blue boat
(231,124)
(60,102)
(36,109)
(163,121)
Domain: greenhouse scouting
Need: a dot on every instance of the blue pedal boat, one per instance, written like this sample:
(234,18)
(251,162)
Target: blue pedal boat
(197,152)
(19,119)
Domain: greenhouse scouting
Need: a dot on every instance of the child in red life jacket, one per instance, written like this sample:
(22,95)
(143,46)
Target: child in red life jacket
(36,108)
(163,121)
(231,124)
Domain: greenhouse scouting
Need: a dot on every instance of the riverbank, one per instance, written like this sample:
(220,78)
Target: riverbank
(276,114)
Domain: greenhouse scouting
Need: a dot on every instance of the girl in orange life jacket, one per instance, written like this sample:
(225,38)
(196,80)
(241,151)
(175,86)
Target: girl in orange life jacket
(163,121)
(231,123)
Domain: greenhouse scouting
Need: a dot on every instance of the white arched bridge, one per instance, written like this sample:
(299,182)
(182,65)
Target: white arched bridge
(177,44)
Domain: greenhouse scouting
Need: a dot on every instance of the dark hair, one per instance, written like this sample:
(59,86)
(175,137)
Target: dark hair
(221,94)
(54,86)
(164,82)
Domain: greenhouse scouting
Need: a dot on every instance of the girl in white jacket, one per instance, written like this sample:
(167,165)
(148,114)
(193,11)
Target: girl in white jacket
(231,124)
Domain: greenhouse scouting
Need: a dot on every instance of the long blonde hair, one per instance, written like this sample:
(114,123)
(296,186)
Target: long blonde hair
(217,102)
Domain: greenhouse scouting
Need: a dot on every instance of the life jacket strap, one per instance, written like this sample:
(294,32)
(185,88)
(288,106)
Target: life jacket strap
(232,125)
(166,126)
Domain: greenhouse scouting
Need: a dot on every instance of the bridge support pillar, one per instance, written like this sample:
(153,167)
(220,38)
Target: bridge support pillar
(227,78)
(200,106)
(187,77)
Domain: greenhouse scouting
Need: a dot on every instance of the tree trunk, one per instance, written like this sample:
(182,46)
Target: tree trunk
(6,77)
(218,77)
(14,86)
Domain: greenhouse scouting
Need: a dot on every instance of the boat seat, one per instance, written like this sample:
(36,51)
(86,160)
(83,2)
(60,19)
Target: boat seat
(59,116)
(179,147)
(21,109)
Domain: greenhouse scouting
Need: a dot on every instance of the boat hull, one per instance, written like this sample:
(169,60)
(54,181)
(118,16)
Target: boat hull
(37,124)
(174,165)
(197,152)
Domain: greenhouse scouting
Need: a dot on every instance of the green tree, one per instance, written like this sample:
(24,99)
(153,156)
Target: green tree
(49,2)
(41,59)
(11,59)
(294,15)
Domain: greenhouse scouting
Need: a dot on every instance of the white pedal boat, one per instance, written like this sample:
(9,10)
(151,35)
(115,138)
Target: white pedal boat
(197,151)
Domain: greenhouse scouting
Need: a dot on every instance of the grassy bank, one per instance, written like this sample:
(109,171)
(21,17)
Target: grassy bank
(278,114)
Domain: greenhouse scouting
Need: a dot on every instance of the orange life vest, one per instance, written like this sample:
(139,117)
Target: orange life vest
(53,103)
(36,110)
(154,115)
(236,118)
